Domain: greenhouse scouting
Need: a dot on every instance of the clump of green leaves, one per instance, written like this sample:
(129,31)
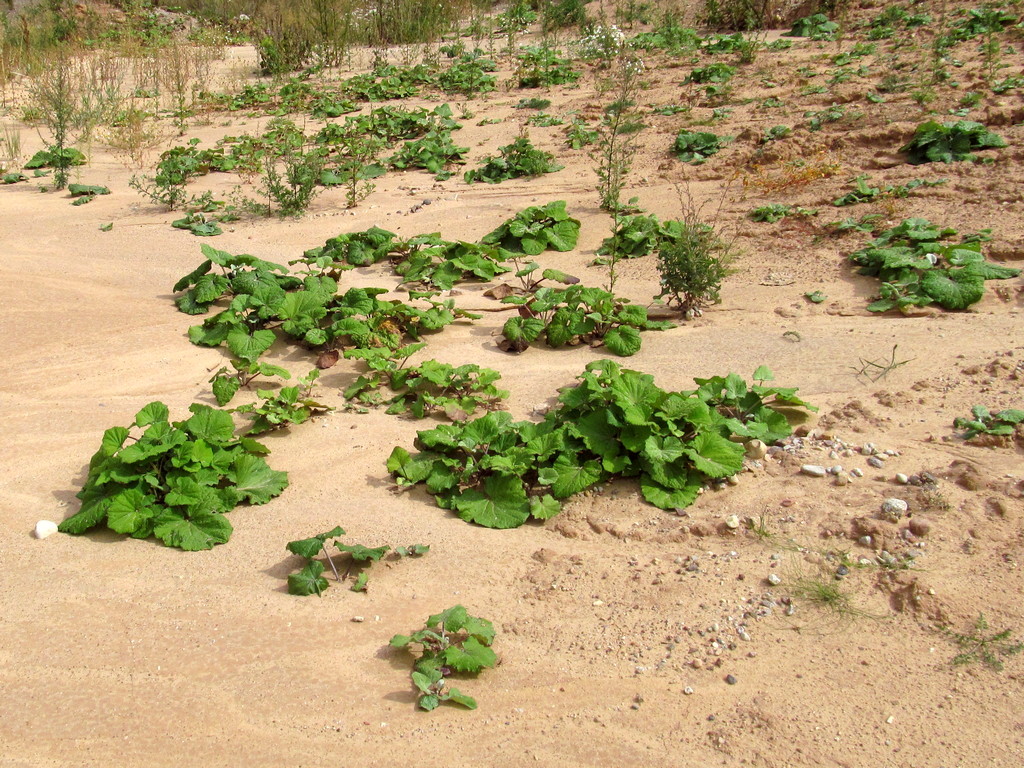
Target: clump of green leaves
(982,422)
(695,147)
(862,193)
(240,274)
(226,383)
(637,236)
(434,152)
(816,27)
(917,268)
(309,580)
(935,142)
(424,389)
(515,160)
(536,229)
(468,75)
(439,263)
(349,250)
(174,480)
(577,315)
(287,406)
(979,645)
(578,135)
(615,422)
(452,642)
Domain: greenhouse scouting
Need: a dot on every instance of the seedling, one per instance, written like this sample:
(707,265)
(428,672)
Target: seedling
(516,160)
(980,646)
(452,642)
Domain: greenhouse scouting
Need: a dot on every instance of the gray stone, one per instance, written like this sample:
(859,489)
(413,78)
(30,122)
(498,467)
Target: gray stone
(894,509)
(814,470)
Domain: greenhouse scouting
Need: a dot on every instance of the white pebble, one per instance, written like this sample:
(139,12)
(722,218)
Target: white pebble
(774,579)
(45,528)
(732,521)
(814,470)
(857,472)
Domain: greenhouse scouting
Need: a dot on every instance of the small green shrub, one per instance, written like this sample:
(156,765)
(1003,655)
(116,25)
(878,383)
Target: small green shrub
(982,422)
(692,266)
(542,66)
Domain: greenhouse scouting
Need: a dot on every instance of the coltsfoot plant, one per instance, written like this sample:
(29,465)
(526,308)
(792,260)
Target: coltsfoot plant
(174,480)
(982,422)
(515,160)
(936,142)
(309,579)
(616,422)
(452,642)
(918,268)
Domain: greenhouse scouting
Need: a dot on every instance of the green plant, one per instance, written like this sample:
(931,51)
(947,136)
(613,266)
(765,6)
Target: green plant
(576,315)
(433,152)
(825,591)
(1001,424)
(935,142)
(424,389)
(516,160)
(615,422)
(917,269)
(977,645)
(355,166)
(617,135)
(468,75)
(534,230)
(577,135)
(816,27)
(637,236)
(452,642)
(695,147)
(439,263)
(542,66)
(174,480)
(862,193)
(176,167)
(291,181)
(226,383)
(693,265)
(242,274)
(287,406)
(86,193)
(770,213)
(310,581)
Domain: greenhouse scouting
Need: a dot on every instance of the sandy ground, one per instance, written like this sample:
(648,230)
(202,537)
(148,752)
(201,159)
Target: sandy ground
(618,623)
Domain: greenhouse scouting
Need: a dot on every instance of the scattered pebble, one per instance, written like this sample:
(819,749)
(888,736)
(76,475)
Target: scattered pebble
(358,619)
(814,470)
(774,579)
(842,570)
(876,462)
(730,679)
(732,521)
(865,541)
(688,690)
(919,526)
(901,478)
(857,472)
(45,528)
(842,478)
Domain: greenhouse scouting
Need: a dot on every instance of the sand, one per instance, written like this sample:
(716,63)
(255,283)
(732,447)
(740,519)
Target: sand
(617,623)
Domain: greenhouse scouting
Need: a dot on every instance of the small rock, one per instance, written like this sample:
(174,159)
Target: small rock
(786,503)
(876,462)
(894,509)
(814,470)
(597,603)
(901,478)
(835,470)
(732,521)
(730,679)
(733,480)
(842,570)
(865,541)
(868,449)
(756,449)
(857,472)
(841,479)
(45,528)
(358,619)
(688,691)
(774,579)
